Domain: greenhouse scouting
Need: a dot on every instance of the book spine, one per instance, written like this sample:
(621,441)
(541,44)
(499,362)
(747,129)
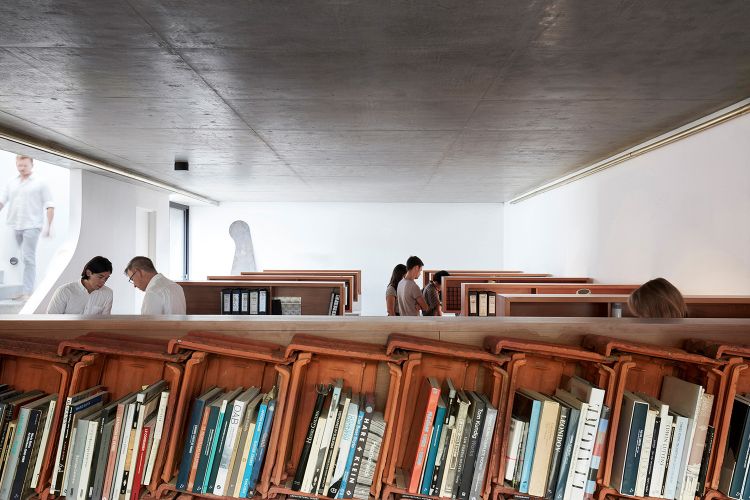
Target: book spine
(253,454)
(704,462)
(429,469)
(140,463)
(528,458)
(101,467)
(331,452)
(59,459)
(425,430)
(200,476)
(325,442)
(678,442)
(302,465)
(189,447)
(557,452)
(43,443)
(467,473)
(635,444)
(26,446)
(212,471)
(352,452)
(359,447)
(198,450)
(112,459)
(655,443)
(446,487)
(82,488)
(662,454)
(346,439)
(693,466)
(265,435)
(15,449)
(235,419)
(596,457)
(567,454)
(477,483)
(442,459)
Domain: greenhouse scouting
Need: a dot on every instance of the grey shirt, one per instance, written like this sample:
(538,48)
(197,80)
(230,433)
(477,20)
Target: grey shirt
(391,292)
(432,297)
(407,294)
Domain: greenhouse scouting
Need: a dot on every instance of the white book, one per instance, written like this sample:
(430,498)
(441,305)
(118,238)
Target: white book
(446,486)
(346,440)
(313,457)
(514,445)
(575,477)
(148,401)
(69,458)
(334,457)
(675,453)
(251,414)
(157,434)
(648,436)
(662,446)
(588,393)
(43,444)
(88,453)
(488,430)
(12,461)
(123,451)
(325,440)
(235,420)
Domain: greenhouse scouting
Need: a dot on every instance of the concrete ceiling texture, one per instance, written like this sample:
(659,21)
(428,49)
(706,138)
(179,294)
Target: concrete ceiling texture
(379,100)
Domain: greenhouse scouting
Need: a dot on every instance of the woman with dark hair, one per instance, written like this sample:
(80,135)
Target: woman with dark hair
(391,303)
(657,298)
(87,295)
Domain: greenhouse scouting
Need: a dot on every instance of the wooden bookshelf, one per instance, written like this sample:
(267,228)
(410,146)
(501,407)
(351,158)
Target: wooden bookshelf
(538,288)
(347,280)
(355,273)
(699,306)
(452,294)
(204,297)
(428,274)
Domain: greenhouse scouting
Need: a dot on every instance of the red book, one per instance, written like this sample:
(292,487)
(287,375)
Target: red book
(419,438)
(140,462)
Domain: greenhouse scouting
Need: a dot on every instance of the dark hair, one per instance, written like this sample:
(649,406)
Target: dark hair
(142,263)
(438,276)
(413,262)
(657,298)
(397,275)
(96,265)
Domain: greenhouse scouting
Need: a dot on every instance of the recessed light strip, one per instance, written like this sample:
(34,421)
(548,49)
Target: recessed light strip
(95,164)
(700,125)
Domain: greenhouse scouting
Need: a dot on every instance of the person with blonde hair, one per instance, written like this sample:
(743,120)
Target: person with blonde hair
(657,298)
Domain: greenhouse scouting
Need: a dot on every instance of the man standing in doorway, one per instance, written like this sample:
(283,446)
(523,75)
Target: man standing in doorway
(28,198)
(408,294)
(162,295)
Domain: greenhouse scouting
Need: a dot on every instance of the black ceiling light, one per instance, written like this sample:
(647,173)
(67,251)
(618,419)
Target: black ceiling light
(181,165)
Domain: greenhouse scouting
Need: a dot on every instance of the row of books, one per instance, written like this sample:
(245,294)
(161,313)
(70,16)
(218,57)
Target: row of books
(226,440)
(333,304)
(482,303)
(25,423)
(734,480)
(448,453)
(342,444)
(244,301)
(108,451)
(556,442)
(663,445)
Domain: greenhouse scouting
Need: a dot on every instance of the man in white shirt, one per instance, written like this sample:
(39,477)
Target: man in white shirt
(28,198)
(163,296)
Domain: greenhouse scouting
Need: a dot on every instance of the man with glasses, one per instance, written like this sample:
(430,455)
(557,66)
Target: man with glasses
(162,295)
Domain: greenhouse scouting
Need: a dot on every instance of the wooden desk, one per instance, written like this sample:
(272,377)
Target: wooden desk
(699,306)
(537,288)
(204,297)
(427,275)
(356,273)
(347,280)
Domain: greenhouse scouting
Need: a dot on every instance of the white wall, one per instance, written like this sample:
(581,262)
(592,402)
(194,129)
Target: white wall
(373,237)
(108,227)
(58,180)
(680,212)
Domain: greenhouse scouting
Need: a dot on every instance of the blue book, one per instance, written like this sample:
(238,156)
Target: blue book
(215,443)
(254,444)
(211,429)
(352,451)
(191,436)
(429,468)
(264,437)
(528,458)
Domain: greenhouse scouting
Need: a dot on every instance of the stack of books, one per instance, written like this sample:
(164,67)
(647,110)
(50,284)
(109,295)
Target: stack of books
(342,444)
(226,440)
(25,423)
(108,451)
(662,445)
(244,301)
(447,455)
(556,442)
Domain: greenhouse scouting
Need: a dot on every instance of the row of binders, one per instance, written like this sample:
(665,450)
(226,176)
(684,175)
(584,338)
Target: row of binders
(226,440)
(663,445)
(244,301)
(449,453)
(342,444)
(556,442)
(482,303)
(108,451)
(333,304)
(25,423)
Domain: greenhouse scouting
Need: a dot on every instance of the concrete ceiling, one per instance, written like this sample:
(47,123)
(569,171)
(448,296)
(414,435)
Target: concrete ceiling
(339,100)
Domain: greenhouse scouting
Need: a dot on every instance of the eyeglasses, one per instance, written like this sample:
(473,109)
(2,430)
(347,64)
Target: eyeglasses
(130,278)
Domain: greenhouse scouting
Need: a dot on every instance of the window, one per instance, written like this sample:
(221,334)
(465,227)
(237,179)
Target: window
(179,218)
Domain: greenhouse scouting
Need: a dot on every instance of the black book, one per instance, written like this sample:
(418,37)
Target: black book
(191,435)
(361,442)
(222,432)
(557,451)
(299,475)
(478,410)
(462,448)
(451,414)
(704,461)
(574,414)
(35,415)
(629,443)
(652,454)
(208,439)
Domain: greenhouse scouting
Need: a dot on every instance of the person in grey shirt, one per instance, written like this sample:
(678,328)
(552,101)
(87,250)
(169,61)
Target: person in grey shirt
(391,299)
(410,300)
(431,294)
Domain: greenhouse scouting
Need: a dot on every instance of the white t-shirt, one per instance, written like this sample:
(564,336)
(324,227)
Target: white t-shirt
(73,298)
(26,202)
(163,296)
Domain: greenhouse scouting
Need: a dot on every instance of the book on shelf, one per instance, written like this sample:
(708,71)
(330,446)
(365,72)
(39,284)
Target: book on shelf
(737,452)
(629,443)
